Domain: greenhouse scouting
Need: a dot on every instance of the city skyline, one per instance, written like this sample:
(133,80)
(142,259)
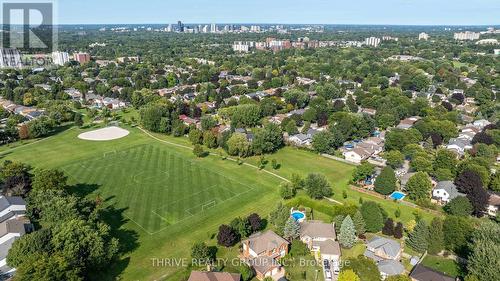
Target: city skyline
(364,12)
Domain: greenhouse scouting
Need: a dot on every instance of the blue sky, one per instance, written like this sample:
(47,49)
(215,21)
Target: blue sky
(406,12)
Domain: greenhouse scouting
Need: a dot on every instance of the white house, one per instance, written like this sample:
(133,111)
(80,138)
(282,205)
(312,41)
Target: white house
(445,191)
(356,155)
(493,204)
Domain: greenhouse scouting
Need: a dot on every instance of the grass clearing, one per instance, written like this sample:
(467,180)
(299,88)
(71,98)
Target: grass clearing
(444,265)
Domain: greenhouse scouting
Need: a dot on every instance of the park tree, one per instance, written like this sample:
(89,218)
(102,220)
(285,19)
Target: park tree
(418,238)
(195,136)
(292,229)
(78,120)
(227,236)
(317,186)
(268,139)
(419,186)
(373,216)
(36,242)
(325,142)
(348,275)
(238,145)
(359,223)
(49,179)
(347,236)
(484,258)
(241,226)
(436,236)
(255,222)
(198,151)
(386,182)
(286,190)
(209,139)
(201,253)
(459,206)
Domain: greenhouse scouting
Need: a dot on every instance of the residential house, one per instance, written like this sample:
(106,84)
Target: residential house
(277,119)
(445,191)
(213,276)
(262,250)
(305,81)
(481,123)
(422,273)
(407,123)
(188,120)
(12,226)
(356,155)
(493,204)
(386,253)
(11,207)
(320,238)
(390,268)
(303,140)
(369,111)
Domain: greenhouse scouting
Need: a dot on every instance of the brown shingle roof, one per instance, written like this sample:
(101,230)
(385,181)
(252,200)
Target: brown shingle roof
(265,241)
(317,229)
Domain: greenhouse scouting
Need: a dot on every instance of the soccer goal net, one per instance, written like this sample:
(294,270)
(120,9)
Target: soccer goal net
(208,205)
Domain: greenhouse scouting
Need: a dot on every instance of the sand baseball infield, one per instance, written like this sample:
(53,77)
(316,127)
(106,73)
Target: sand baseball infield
(104,134)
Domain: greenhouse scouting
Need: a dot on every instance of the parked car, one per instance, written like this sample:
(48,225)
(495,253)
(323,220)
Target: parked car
(326,264)
(328,274)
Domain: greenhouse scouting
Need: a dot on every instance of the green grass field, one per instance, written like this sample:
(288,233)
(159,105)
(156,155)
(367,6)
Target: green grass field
(158,187)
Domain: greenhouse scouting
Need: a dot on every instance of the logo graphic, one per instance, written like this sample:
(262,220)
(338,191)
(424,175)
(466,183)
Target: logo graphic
(28,26)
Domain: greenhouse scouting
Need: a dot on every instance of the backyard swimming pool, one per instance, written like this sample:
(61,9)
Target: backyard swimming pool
(396,195)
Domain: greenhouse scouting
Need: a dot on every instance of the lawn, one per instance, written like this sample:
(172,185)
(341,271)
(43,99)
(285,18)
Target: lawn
(444,265)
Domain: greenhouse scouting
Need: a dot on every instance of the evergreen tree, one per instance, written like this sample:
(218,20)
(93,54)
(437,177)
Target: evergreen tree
(398,231)
(359,223)
(292,229)
(347,236)
(386,182)
(337,220)
(418,239)
(388,227)
(436,237)
(373,216)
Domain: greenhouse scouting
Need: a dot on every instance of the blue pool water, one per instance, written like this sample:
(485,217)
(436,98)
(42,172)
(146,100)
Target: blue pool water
(298,215)
(397,195)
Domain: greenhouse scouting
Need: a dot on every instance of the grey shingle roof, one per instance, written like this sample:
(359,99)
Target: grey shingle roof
(450,188)
(389,246)
(390,267)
